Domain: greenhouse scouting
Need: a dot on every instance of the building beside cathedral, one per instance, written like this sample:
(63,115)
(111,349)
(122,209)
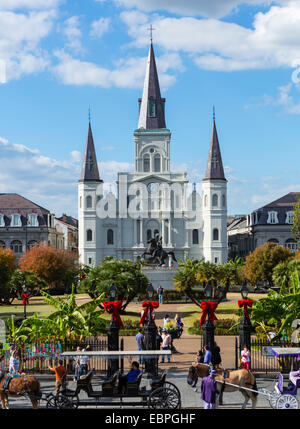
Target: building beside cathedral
(152,199)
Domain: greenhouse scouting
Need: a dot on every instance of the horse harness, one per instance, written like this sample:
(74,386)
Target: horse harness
(6,384)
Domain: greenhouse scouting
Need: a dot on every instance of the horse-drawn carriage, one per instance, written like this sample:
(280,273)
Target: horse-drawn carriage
(161,394)
(243,380)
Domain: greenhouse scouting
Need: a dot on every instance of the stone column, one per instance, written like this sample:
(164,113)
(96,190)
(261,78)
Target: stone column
(141,233)
(169,233)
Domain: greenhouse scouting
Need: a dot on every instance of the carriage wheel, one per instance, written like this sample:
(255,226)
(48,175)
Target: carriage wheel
(164,398)
(273,397)
(62,402)
(175,389)
(286,402)
(51,403)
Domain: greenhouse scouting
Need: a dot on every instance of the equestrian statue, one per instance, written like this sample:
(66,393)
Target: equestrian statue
(156,253)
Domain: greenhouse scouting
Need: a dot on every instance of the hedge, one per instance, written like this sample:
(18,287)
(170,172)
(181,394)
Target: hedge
(222,327)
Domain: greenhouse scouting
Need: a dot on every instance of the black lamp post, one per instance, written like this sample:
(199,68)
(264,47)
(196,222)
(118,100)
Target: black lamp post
(113,337)
(150,339)
(245,325)
(208,328)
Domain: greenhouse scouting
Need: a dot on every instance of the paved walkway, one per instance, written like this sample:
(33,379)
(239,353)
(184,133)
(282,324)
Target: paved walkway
(188,345)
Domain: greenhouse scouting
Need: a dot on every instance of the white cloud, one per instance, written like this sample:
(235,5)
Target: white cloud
(208,8)
(47,181)
(28,4)
(73,34)
(272,41)
(128,73)
(100,27)
(20,38)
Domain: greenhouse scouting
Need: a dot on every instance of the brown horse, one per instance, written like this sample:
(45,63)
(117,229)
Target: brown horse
(21,386)
(239,377)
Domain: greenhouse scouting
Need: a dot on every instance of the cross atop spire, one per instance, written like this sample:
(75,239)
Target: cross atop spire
(90,170)
(152,106)
(214,168)
(151,28)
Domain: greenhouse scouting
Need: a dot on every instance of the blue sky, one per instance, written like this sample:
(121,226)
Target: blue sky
(59,57)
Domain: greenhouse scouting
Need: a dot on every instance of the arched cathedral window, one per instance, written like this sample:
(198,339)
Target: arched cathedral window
(215,234)
(157,163)
(88,202)
(215,200)
(146,163)
(89,235)
(110,236)
(195,236)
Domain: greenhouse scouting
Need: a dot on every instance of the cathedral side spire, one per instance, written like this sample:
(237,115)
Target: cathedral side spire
(90,170)
(152,106)
(214,168)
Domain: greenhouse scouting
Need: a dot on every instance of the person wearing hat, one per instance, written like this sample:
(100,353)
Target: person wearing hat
(209,390)
(166,343)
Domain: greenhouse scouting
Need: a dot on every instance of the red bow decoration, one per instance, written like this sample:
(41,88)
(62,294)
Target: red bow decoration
(83,276)
(245,303)
(25,298)
(209,308)
(113,307)
(148,306)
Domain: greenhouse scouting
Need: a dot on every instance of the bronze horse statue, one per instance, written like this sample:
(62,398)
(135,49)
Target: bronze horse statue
(21,386)
(239,377)
(156,252)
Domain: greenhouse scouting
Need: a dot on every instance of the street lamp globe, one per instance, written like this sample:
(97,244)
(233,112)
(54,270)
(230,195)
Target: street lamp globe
(208,290)
(113,290)
(244,291)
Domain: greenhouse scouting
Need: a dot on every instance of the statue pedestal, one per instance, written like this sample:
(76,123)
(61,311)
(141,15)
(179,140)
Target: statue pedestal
(162,276)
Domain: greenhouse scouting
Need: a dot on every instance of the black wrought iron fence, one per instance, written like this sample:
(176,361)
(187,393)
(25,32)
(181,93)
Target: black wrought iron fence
(36,357)
(262,358)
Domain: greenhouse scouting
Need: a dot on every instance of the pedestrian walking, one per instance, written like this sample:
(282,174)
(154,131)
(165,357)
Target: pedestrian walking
(209,390)
(245,357)
(60,371)
(77,365)
(14,364)
(140,339)
(207,355)
(160,293)
(83,363)
(166,344)
(216,356)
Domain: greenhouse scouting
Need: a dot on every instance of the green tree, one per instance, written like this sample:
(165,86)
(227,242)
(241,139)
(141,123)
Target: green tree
(125,274)
(283,274)
(296,221)
(33,283)
(7,267)
(260,263)
(74,321)
(185,279)
(230,273)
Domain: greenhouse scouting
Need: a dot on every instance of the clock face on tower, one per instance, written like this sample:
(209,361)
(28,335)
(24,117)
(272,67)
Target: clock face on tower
(152,188)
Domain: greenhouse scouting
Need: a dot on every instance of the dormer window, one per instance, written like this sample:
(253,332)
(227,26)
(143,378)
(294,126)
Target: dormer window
(289,217)
(272,217)
(32,220)
(152,108)
(16,220)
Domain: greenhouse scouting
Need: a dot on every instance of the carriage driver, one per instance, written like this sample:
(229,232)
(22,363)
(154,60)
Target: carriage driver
(131,377)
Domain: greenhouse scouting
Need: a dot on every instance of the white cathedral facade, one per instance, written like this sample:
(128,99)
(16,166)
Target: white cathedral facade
(152,199)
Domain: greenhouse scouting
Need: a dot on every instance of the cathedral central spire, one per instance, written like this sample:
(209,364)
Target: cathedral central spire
(152,106)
